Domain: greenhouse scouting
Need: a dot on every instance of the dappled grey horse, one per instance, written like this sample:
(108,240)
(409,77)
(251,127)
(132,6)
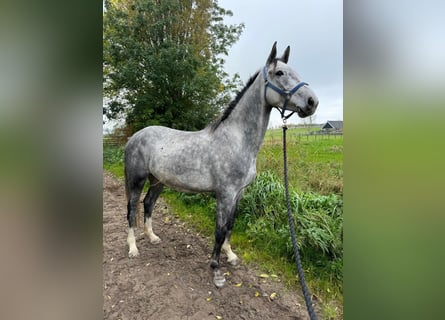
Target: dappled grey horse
(221,158)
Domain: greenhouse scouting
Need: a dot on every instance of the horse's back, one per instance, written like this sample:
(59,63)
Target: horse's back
(155,139)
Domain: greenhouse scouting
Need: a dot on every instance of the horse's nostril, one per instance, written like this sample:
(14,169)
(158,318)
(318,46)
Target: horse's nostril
(311,101)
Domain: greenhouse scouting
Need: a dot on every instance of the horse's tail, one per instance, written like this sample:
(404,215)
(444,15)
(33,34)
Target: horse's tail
(127,169)
(134,164)
(127,194)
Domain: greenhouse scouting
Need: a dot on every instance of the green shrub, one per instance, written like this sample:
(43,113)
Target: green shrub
(113,155)
(319,223)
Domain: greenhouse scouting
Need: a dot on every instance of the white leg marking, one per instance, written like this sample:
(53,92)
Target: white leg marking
(231,257)
(148,228)
(131,240)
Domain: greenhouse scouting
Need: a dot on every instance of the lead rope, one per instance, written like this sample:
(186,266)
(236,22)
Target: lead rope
(306,293)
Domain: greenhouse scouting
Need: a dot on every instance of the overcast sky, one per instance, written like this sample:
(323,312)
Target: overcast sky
(314,31)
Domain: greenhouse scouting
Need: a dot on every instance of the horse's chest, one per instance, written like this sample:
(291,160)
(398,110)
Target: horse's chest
(241,169)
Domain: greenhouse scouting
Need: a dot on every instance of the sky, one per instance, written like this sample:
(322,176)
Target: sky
(314,32)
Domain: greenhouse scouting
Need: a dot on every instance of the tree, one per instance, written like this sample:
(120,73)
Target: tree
(163,61)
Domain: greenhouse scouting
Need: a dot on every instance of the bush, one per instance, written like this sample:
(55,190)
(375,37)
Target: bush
(113,160)
(113,155)
(319,222)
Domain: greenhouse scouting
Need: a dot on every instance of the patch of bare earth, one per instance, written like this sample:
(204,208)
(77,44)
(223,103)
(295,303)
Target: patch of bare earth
(172,280)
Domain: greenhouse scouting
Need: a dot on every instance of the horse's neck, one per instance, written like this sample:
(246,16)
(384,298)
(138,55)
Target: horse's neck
(250,118)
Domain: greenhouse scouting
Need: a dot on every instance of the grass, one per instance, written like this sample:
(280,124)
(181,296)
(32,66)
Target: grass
(113,160)
(261,234)
(315,163)
(277,133)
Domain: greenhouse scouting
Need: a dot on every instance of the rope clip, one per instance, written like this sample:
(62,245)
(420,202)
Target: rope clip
(284,126)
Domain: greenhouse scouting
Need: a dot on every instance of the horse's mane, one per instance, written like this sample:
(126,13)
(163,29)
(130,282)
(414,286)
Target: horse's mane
(226,113)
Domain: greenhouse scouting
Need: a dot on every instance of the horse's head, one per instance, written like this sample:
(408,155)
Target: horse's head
(284,88)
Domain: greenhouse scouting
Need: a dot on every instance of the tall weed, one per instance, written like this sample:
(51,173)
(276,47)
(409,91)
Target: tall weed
(262,214)
(113,155)
(113,160)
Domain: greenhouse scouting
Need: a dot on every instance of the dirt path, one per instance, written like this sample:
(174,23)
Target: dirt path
(172,280)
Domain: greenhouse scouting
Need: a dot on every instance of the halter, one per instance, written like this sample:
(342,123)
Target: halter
(287,94)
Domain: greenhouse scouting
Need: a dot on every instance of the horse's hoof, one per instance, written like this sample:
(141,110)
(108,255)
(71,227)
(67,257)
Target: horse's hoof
(234,262)
(219,280)
(155,240)
(134,252)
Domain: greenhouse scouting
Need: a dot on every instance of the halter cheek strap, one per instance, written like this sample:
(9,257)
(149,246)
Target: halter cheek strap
(287,94)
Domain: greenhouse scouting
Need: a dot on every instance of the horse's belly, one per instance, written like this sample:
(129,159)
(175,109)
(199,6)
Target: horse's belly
(186,184)
(189,181)
(188,188)
(184,175)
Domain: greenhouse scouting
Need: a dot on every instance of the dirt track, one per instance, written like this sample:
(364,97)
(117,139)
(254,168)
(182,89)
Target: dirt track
(172,280)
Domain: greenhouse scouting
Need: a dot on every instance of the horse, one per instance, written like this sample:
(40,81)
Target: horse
(221,158)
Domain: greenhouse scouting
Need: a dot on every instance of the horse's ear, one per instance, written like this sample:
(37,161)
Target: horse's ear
(273,54)
(285,56)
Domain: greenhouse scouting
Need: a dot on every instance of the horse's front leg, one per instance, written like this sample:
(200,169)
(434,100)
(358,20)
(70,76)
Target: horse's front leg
(232,258)
(225,216)
(220,235)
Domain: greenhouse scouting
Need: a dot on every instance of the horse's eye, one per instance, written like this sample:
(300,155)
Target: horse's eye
(279,73)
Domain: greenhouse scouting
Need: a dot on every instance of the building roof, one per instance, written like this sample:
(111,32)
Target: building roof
(333,125)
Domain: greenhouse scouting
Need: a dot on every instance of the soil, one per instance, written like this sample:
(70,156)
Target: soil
(172,280)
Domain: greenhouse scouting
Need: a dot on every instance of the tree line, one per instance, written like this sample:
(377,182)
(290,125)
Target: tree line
(163,62)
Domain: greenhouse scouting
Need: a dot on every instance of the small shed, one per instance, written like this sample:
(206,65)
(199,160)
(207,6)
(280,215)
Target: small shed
(333,126)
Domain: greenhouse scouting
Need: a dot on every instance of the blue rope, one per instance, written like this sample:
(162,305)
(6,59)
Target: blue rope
(306,293)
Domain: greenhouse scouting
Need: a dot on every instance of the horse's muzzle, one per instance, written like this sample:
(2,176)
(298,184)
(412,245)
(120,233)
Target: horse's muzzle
(308,110)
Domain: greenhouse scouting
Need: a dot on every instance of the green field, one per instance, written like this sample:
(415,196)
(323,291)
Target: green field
(261,234)
(315,163)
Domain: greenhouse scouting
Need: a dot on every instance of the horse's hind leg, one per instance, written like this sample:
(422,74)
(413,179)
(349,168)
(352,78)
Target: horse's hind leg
(149,203)
(134,185)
